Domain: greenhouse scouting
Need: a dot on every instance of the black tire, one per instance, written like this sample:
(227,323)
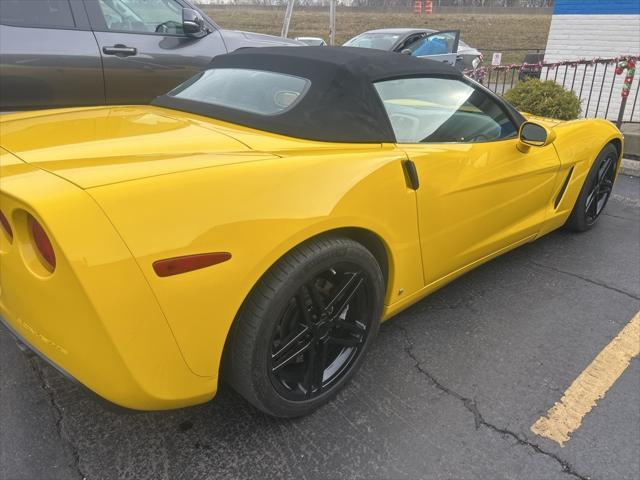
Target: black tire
(595,191)
(292,303)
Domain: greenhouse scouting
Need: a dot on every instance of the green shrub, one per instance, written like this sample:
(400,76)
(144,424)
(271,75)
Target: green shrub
(546,99)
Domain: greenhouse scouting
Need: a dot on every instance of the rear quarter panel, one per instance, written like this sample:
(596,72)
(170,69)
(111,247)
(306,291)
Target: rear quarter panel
(94,316)
(258,211)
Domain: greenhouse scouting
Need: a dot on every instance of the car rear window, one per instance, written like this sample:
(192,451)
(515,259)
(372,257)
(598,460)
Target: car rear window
(255,91)
(36,13)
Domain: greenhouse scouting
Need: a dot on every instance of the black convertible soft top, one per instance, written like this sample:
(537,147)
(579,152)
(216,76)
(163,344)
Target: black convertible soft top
(341,104)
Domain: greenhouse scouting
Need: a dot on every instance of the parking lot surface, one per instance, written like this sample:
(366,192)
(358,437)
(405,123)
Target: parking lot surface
(450,389)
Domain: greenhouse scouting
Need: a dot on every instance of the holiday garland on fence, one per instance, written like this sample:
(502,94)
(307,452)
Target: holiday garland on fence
(622,63)
(628,64)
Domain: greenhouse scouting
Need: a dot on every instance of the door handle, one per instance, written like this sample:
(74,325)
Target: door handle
(120,50)
(411,174)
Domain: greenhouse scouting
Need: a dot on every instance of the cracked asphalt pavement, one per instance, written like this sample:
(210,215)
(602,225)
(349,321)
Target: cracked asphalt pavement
(450,389)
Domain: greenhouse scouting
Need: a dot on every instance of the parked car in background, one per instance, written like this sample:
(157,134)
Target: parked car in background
(56,53)
(312,41)
(442,45)
(531,66)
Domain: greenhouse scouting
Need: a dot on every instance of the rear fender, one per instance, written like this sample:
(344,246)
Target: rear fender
(95,316)
(258,212)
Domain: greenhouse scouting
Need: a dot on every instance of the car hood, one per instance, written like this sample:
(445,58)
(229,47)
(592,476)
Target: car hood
(102,145)
(235,39)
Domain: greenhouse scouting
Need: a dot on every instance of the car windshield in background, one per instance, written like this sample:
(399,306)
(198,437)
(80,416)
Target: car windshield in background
(255,91)
(380,41)
(311,41)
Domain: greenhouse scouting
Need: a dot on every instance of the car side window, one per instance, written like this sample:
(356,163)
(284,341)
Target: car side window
(443,110)
(143,16)
(37,13)
(413,39)
(434,44)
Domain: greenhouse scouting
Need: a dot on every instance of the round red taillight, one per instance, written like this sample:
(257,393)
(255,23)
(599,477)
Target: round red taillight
(6,226)
(43,244)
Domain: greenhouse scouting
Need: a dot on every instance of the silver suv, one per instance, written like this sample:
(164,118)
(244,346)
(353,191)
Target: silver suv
(56,53)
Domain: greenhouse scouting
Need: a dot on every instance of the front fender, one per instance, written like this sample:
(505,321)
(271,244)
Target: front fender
(578,143)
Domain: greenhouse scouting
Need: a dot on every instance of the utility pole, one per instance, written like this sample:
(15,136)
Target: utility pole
(287,19)
(332,22)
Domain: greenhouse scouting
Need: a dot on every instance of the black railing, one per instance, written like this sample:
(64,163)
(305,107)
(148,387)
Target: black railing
(598,83)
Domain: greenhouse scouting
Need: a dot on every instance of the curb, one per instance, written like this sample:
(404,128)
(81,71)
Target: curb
(630,167)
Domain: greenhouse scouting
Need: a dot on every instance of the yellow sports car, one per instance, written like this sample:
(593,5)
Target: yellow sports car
(258,222)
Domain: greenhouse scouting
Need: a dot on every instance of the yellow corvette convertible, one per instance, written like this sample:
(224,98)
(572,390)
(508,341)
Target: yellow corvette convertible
(258,222)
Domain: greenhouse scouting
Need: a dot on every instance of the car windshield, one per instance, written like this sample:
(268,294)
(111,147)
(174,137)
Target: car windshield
(255,91)
(313,42)
(380,41)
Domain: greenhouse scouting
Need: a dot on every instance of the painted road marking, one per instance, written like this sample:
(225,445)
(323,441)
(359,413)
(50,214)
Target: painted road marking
(591,385)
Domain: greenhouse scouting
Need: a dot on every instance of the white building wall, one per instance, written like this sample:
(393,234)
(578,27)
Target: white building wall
(585,36)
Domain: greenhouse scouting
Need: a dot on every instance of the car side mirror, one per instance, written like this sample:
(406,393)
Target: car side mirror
(534,135)
(405,51)
(193,23)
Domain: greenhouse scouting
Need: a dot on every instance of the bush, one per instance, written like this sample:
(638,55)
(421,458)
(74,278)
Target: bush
(546,99)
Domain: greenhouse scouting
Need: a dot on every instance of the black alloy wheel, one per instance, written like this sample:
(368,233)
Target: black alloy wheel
(595,191)
(601,187)
(320,333)
(302,332)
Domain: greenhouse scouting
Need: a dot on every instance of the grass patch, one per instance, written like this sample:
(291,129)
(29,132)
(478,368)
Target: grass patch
(488,33)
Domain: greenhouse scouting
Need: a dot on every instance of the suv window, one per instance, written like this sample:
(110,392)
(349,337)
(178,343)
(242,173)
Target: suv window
(143,16)
(439,110)
(36,13)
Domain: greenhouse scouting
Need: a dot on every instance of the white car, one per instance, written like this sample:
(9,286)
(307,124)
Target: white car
(442,45)
(312,41)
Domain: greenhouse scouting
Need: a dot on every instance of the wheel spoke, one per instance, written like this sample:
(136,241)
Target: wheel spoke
(316,298)
(346,293)
(320,366)
(352,327)
(606,187)
(591,201)
(345,342)
(292,357)
(309,372)
(290,342)
(605,169)
(300,300)
(345,286)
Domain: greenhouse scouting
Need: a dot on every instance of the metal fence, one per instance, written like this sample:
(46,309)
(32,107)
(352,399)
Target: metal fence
(598,83)
(381,5)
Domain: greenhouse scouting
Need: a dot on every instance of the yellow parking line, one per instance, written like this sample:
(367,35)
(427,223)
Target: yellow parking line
(591,385)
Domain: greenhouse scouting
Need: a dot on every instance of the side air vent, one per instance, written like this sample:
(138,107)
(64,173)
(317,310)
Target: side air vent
(562,190)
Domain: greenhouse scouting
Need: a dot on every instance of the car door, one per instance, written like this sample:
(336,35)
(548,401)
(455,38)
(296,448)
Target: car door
(478,193)
(48,55)
(144,51)
(439,46)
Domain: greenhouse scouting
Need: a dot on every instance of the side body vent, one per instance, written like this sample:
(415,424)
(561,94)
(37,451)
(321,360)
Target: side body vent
(562,190)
